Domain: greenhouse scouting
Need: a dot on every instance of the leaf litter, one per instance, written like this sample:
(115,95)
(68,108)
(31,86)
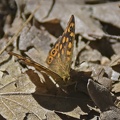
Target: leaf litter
(26,93)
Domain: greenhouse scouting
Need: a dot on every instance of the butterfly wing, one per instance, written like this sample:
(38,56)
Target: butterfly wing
(60,56)
(39,67)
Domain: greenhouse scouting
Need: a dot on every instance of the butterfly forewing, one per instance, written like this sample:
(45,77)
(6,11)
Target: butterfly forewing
(60,56)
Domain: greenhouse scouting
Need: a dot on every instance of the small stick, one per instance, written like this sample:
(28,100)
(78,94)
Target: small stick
(106,36)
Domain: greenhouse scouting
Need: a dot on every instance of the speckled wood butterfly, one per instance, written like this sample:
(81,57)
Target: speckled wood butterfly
(59,57)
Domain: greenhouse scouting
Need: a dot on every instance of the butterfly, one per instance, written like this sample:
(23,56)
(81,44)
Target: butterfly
(59,57)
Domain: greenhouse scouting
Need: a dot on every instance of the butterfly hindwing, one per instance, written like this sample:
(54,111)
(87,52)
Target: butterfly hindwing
(37,66)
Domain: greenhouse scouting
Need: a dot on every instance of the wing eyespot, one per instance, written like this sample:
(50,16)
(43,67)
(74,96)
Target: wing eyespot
(50,59)
(53,52)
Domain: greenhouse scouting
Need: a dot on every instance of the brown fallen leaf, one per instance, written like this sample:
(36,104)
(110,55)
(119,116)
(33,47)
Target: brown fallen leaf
(86,24)
(104,100)
(103,13)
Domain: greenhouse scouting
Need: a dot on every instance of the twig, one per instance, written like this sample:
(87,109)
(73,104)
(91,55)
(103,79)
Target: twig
(105,36)
(17,34)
